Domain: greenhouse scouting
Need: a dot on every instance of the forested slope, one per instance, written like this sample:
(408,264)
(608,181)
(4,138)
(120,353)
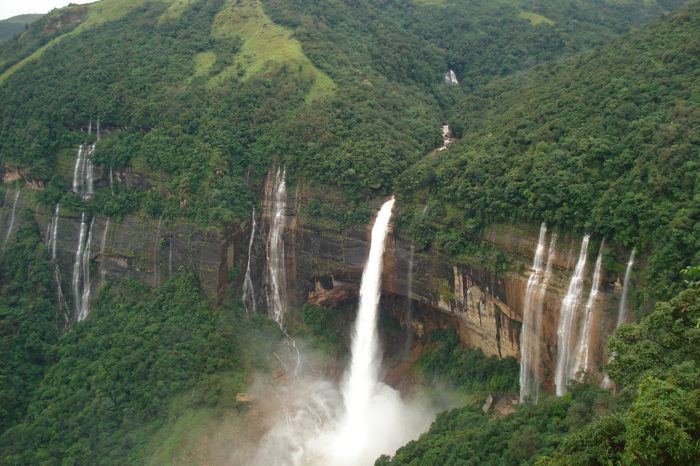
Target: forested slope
(208,95)
(604,143)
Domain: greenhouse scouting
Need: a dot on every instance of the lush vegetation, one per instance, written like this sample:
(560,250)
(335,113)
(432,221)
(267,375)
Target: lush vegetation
(604,143)
(98,393)
(653,419)
(14,26)
(28,328)
(446,359)
(198,104)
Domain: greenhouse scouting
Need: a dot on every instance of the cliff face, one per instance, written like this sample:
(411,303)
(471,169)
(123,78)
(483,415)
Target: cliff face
(324,265)
(137,246)
(484,307)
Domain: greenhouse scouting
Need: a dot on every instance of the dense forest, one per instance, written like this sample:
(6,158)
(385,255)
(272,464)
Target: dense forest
(583,115)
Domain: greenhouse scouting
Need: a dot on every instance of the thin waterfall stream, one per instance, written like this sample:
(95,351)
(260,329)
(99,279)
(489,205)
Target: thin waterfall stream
(248,297)
(567,316)
(621,310)
(582,360)
(530,333)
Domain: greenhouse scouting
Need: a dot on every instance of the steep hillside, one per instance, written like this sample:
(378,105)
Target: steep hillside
(604,143)
(11,27)
(159,156)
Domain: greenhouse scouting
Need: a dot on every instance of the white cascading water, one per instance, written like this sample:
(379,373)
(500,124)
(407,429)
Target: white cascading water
(622,309)
(529,335)
(446,140)
(451,78)
(364,366)
(317,425)
(248,291)
(85,298)
(375,420)
(582,360)
(277,300)
(83,172)
(77,267)
(567,315)
(81,271)
(12,219)
(53,234)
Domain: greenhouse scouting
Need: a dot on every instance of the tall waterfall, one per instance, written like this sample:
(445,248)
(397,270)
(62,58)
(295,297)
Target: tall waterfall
(566,320)
(320,424)
(85,300)
(248,291)
(83,177)
(622,309)
(52,230)
(451,78)
(530,333)
(582,361)
(362,377)
(103,243)
(12,219)
(277,297)
(81,271)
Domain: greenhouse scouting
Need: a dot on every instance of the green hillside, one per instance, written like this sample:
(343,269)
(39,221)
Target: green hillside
(14,26)
(603,143)
(574,113)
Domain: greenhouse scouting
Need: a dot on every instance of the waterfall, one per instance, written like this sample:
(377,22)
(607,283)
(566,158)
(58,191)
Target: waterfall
(277,297)
(12,219)
(83,172)
(77,170)
(451,78)
(77,266)
(103,272)
(85,300)
(362,378)
(622,309)
(582,361)
(90,128)
(248,291)
(53,234)
(530,333)
(566,320)
(81,270)
(446,140)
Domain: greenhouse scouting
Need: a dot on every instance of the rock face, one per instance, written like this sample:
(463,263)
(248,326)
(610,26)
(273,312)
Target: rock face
(138,246)
(484,307)
(324,262)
